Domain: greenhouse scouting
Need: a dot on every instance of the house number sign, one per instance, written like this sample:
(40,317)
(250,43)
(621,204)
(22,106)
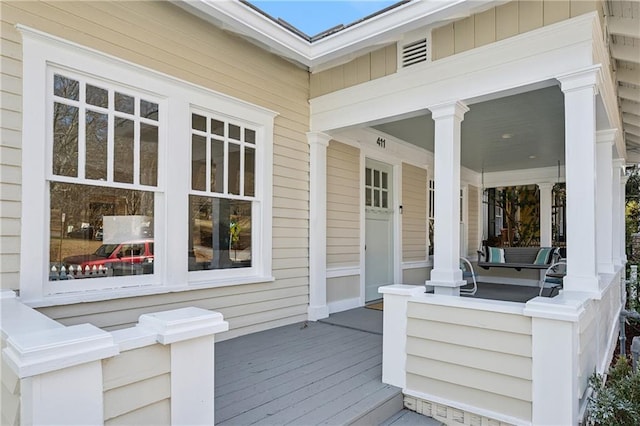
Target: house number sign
(381,142)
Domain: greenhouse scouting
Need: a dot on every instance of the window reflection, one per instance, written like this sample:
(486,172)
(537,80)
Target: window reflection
(99,231)
(65,140)
(219,233)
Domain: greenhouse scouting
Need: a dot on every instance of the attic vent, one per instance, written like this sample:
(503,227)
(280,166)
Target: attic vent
(414,53)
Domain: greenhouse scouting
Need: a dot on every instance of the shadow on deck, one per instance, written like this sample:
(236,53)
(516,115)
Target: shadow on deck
(325,372)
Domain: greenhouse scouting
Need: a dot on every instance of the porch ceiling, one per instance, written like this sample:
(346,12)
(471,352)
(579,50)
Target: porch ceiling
(623,27)
(524,131)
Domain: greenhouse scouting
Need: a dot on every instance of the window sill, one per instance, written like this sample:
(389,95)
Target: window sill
(147,290)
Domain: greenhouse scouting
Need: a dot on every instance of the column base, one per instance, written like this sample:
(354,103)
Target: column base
(446,288)
(316,313)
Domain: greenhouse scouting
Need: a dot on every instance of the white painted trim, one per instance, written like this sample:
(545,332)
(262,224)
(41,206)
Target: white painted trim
(41,51)
(384,28)
(344,305)
(466,407)
(523,177)
(342,271)
(43,351)
(469,303)
(417,264)
(183,324)
(318,143)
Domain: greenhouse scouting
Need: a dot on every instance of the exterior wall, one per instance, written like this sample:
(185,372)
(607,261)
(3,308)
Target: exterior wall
(416,276)
(137,386)
(343,205)
(414,213)
(508,20)
(9,394)
(342,289)
(367,67)
(474,220)
(165,38)
(482,357)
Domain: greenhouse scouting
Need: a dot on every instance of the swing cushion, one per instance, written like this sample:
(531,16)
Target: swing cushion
(495,255)
(544,256)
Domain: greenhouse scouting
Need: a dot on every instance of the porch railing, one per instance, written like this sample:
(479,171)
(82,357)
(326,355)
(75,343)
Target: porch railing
(159,372)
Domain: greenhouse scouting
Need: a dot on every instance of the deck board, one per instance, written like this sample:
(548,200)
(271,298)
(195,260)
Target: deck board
(300,374)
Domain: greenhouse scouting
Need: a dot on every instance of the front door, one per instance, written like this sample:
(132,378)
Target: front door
(378,228)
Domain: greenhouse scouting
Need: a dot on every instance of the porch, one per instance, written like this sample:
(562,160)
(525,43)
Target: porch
(325,372)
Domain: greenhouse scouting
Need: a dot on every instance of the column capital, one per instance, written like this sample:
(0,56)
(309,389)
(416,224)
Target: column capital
(318,138)
(606,136)
(450,109)
(545,185)
(587,77)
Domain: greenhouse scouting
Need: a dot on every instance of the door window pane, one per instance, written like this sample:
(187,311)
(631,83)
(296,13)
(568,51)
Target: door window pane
(148,110)
(198,122)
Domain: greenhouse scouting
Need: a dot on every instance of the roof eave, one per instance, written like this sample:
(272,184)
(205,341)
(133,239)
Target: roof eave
(380,28)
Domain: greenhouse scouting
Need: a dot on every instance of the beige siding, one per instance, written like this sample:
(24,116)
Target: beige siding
(507,20)
(138,380)
(343,205)
(10,155)
(379,63)
(481,358)
(474,218)
(163,37)
(9,395)
(414,213)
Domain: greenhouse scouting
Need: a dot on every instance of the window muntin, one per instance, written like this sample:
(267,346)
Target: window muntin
(103,180)
(376,188)
(222,193)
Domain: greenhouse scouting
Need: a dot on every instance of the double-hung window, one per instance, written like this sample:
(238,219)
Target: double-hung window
(222,193)
(135,182)
(102,179)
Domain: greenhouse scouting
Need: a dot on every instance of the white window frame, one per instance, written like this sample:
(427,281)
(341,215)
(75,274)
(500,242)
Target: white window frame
(42,52)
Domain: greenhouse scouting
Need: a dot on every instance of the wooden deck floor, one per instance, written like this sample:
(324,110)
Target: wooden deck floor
(302,375)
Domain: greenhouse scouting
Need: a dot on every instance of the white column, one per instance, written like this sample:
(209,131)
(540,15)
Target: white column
(191,334)
(318,143)
(618,222)
(605,206)
(546,234)
(394,332)
(60,371)
(580,169)
(623,217)
(446,276)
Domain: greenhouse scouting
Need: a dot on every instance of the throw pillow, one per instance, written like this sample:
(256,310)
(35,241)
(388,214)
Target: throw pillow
(544,256)
(496,255)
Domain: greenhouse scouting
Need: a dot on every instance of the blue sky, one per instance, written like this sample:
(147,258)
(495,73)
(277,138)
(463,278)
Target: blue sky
(314,16)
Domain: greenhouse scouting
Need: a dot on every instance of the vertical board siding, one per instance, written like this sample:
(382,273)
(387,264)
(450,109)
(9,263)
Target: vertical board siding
(474,216)
(343,205)
(414,213)
(481,358)
(134,380)
(163,37)
(504,21)
(9,394)
(379,63)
